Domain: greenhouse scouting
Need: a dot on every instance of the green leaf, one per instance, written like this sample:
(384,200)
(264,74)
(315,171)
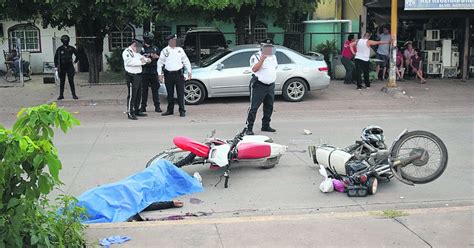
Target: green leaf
(22,110)
(23,144)
(34,239)
(44,185)
(54,166)
(13,203)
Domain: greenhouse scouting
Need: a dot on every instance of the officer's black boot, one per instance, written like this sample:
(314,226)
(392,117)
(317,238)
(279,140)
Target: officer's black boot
(131,116)
(140,114)
(249,130)
(158,109)
(61,97)
(267,128)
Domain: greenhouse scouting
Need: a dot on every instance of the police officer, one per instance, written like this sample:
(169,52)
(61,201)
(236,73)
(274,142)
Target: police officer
(149,73)
(133,62)
(63,61)
(170,68)
(262,85)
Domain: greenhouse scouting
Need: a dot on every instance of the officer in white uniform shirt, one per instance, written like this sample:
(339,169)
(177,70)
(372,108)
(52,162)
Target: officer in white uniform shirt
(264,66)
(133,61)
(170,68)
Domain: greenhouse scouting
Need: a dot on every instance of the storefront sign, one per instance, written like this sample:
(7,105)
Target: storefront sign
(439,4)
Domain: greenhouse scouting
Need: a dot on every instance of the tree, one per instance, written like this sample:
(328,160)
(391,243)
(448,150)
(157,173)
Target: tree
(284,11)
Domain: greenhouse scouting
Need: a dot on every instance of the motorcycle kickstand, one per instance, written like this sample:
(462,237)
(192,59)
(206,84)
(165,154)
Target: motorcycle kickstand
(226,175)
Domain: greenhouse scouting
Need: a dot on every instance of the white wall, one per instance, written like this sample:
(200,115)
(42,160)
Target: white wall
(46,54)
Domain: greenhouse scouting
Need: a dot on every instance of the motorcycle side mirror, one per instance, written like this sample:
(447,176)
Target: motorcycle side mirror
(220,66)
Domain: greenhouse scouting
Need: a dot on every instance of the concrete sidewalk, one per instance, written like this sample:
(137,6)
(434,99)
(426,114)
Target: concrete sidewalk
(422,227)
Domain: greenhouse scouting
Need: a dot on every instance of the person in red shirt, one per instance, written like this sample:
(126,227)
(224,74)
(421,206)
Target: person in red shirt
(416,64)
(346,59)
(400,69)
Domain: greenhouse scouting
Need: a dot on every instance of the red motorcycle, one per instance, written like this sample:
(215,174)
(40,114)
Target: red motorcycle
(254,149)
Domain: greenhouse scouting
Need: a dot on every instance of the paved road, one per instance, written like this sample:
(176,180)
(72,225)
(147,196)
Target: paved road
(107,147)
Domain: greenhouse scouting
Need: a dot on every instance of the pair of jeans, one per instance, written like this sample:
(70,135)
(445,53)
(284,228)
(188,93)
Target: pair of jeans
(350,69)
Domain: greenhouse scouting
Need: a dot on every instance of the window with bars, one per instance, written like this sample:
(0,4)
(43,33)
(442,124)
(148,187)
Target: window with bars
(161,33)
(260,31)
(120,38)
(29,38)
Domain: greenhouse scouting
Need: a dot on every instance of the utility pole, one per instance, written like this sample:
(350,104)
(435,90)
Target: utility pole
(392,79)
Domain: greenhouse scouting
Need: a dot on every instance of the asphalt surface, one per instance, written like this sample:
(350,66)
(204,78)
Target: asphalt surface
(108,147)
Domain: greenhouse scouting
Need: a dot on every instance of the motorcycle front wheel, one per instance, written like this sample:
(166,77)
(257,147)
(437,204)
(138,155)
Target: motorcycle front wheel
(176,156)
(427,168)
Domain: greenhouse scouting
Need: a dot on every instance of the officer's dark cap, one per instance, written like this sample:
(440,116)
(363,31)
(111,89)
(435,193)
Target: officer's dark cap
(267,42)
(135,41)
(171,36)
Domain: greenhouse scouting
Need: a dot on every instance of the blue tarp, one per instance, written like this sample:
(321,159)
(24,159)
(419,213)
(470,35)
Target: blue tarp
(116,202)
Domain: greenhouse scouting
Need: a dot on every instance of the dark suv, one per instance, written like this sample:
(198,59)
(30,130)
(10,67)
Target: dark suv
(207,40)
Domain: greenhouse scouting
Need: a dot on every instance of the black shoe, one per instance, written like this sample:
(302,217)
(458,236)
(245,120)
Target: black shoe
(249,132)
(143,110)
(359,87)
(182,114)
(141,114)
(132,117)
(158,110)
(167,113)
(75,97)
(268,129)
(60,97)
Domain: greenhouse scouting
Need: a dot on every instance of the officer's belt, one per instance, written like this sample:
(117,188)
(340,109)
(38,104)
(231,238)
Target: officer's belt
(174,72)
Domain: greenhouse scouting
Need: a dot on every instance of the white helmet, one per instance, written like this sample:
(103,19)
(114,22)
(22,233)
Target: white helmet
(374,136)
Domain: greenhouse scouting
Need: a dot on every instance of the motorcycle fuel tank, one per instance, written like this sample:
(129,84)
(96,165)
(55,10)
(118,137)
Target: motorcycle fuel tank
(247,150)
(332,157)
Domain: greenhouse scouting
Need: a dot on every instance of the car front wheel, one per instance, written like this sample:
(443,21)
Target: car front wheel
(294,90)
(194,93)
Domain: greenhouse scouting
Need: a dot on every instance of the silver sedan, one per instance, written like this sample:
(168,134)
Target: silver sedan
(227,73)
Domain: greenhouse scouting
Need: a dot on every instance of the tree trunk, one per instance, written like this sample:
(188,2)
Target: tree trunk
(92,42)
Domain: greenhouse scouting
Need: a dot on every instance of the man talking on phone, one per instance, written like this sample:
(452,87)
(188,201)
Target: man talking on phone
(264,66)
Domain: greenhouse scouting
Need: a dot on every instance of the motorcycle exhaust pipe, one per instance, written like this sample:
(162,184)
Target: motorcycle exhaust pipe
(383,172)
(383,168)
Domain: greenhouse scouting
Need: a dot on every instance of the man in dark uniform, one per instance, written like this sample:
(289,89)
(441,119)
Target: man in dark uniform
(149,73)
(63,61)
(262,85)
(171,63)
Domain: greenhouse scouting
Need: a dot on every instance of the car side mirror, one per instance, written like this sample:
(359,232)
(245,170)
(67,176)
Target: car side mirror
(229,42)
(220,66)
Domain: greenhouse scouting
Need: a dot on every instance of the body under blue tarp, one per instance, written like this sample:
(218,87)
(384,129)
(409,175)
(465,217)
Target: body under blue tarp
(116,202)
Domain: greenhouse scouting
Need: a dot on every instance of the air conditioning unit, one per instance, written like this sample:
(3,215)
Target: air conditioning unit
(449,72)
(432,35)
(431,45)
(434,56)
(455,59)
(446,52)
(448,34)
(433,69)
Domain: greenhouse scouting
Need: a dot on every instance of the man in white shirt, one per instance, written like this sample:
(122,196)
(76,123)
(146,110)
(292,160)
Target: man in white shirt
(133,61)
(264,66)
(170,69)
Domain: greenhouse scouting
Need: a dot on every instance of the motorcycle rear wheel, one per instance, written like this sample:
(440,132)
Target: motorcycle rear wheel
(175,156)
(421,171)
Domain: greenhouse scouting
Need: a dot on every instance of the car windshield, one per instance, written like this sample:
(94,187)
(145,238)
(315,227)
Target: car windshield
(214,57)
